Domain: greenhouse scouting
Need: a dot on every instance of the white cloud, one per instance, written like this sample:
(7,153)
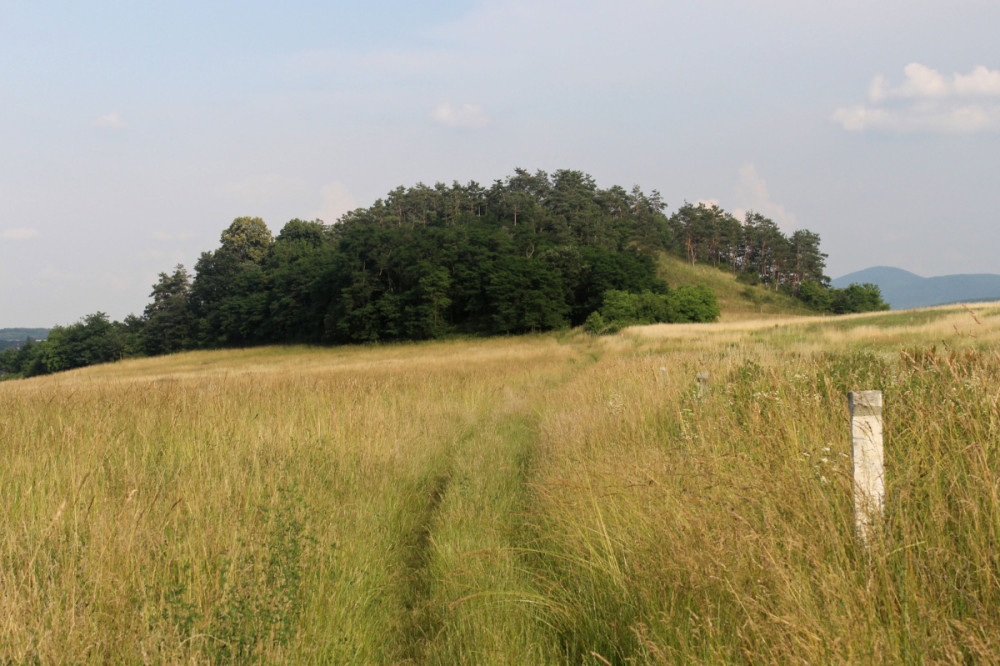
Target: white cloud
(468,115)
(920,81)
(923,82)
(112,120)
(981,81)
(973,118)
(263,189)
(19,234)
(859,118)
(925,117)
(164,236)
(752,194)
(928,101)
(336,201)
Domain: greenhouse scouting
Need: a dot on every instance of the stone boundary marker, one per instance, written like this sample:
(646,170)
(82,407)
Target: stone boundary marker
(867,455)
(702,379)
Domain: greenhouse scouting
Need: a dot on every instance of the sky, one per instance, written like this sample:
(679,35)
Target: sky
(133,133)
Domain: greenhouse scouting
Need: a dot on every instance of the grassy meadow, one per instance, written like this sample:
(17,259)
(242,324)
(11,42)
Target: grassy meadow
(552,499)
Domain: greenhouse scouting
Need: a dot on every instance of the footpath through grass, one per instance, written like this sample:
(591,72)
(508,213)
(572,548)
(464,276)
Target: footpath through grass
(296,506)
(550,499)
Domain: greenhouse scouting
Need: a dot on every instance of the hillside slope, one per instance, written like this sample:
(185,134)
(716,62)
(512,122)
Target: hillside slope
(737,300)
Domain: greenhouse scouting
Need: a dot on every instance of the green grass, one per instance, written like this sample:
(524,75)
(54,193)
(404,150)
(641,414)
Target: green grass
(553,499)
(736,299)
(885,320)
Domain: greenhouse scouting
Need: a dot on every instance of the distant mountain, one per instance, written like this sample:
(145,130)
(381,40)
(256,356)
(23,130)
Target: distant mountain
(12,337)
(904,290)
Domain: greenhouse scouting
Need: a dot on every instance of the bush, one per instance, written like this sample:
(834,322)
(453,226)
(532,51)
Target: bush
(815,295)
(596,325)
(693,304)
(621,309)
(865,297)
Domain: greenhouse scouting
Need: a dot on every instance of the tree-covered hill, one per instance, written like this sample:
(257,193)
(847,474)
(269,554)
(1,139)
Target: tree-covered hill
(531,252)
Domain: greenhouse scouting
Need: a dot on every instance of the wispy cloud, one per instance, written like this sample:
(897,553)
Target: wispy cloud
(19,234)
(336,201)
(467,115)
(928,101)
(264,188)
(752,194)
(112,120)
(968,119)
(923,82)
(164,236)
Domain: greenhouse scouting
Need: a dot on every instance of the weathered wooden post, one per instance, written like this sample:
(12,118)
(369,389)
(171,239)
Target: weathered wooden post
(867,456)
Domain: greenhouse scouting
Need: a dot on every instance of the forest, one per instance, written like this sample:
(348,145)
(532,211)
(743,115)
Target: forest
(532,252)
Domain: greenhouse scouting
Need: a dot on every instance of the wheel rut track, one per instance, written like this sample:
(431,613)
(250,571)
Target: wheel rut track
(427,613)
(421,621)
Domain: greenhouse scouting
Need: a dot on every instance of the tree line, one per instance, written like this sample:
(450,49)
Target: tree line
(531,252)
(758,252)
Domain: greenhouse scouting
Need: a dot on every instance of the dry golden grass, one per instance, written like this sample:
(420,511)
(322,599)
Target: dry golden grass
(254,505)
(548,499)
(719,528)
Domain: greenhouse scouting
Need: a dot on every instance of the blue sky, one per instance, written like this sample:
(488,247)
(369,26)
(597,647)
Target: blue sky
(132,133)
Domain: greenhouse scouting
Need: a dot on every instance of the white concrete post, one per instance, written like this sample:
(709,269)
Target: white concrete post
(702,379)
(867,455)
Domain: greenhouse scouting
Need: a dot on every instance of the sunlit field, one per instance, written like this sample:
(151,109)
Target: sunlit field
(554,499)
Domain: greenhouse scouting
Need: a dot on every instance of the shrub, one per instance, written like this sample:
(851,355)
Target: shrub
(622,308)
(865,297)
(693,304)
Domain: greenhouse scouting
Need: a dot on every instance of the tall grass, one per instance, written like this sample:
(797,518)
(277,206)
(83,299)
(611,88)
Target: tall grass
(550,499)
(252,506)
(719,528)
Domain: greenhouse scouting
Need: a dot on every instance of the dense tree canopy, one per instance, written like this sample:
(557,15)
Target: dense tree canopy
(531,252)
(93,339)
(168,317)
(755,248)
